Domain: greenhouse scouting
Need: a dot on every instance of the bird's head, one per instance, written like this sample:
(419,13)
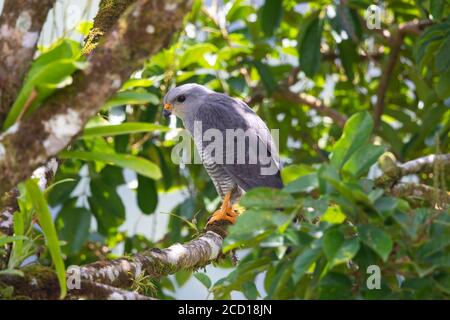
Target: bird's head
(184,99)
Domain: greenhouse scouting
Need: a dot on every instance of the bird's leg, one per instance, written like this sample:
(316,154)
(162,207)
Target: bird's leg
(225,212)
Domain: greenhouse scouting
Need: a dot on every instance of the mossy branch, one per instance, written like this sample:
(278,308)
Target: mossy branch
(108,13)
(106,279)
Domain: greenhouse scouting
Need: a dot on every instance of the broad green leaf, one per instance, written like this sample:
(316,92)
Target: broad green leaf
(333,215)
(106,205)
(253,222)
(361,161)
(443,86)
(182,277)
(314,208)
(437,8)
(196,54)
(305,259)
(310,38)
(147,195)
(267,198)
(250,291)
(136,83)
(376,239)
(204,279)
(337,249)
(48,228)
(45,75)
(131,97)
(253,226)
(271,13)
(335,286)
(442,61)
(140,165)
(294,171)
(356,134)
(124,128)
(349,57)
(266,76)
(305,183)
(73,227)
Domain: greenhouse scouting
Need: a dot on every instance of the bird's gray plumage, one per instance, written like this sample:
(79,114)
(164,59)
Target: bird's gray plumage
(220,111)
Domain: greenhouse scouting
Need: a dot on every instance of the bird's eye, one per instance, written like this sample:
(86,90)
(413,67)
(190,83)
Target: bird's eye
(181,98)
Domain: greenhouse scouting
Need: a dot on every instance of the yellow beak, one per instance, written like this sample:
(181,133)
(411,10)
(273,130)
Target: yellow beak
(168,107)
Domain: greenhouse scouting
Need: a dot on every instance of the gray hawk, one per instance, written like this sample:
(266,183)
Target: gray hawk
(234,168)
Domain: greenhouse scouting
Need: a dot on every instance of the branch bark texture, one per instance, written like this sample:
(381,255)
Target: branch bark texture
(20,26)
(108,14)
(144,29)
(106,279)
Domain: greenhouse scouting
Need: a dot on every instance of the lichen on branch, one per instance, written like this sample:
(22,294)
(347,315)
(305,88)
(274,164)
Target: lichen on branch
(108,13)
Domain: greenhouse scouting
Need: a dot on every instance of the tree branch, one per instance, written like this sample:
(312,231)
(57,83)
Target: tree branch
(313,103)
(144,29)
(393,172)
(97,291)
(20,25)
(396,41)
(154,263)
(101,280)
(108,14)
(421,191)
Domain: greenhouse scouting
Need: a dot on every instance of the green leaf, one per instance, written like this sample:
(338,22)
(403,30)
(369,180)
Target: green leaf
(106,205)
(182,277)
(310,37)
(267,198)
(204,279)
(348,56)
(305,183)
(250,291)
(437,8)
(271,13)
(361,161)
(337,249)
(73,227)
(45,75)
(10,239)
(305,259)
(266,76)
(333,215)
(136,83)
(376,239)
(196,54)
(131,97)
(356,134)
(48,228)
(443,86)
(124,128)
(442,61)
(334,286)
(138,164)
(147,195)
(253,226)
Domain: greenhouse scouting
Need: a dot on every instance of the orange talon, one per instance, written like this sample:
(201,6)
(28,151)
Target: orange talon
(226,212)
